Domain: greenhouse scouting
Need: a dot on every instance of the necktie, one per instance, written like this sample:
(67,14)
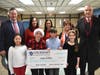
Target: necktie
(88,26)
(15,27)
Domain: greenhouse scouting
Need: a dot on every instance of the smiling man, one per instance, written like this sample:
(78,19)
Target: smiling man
(89,33)
(8,30)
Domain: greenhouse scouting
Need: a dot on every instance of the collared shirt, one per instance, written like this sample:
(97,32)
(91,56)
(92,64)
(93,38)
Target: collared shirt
(16,25)
(88,19)
(53,43)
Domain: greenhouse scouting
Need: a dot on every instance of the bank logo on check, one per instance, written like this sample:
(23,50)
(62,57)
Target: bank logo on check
(30,53)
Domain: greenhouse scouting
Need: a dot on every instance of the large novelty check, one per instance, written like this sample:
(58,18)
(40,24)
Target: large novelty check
(47,59)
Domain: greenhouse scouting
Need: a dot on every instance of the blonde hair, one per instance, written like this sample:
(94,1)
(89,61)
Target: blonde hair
(76,41)
(71,31)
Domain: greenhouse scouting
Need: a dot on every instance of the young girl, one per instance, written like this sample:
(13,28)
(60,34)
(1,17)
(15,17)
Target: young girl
(33,24)
(73,59)
(17,57)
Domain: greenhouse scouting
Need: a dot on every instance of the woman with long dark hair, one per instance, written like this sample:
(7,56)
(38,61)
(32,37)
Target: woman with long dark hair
(47,27)
(33,24)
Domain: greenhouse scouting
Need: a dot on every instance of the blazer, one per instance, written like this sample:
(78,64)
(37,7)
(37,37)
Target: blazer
(89,45)
(7,34)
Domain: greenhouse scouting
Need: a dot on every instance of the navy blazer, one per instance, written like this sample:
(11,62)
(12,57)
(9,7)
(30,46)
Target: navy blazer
(7,34)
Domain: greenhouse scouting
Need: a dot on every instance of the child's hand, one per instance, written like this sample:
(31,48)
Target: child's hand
(29,48)
(66,65)
(48,49)
(60,48)
(77,66)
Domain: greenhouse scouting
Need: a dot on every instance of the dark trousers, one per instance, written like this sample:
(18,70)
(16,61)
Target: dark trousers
(52,71)
(83,66)
(37,71)
(47,71)
(70,70)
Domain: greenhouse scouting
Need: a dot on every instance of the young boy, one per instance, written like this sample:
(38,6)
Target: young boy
(53,43)
(37,44)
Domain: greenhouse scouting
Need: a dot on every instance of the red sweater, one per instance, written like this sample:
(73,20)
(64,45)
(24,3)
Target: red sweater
(47,35)
(28,35)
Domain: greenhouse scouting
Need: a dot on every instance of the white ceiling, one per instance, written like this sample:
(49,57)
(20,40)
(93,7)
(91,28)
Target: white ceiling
(41,6)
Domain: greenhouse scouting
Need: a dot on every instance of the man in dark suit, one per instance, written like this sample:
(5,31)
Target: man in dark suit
(89,30)
(8,30)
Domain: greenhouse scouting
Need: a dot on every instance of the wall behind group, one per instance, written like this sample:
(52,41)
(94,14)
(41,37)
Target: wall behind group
(57,19)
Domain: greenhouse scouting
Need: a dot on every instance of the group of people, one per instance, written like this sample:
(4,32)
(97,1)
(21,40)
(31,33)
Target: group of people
(15,41)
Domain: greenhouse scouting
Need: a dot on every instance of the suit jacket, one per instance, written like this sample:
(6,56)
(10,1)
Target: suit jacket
(89,45)
(7,34)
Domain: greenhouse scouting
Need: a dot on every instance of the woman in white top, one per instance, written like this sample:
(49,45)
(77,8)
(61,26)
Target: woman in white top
(17,57)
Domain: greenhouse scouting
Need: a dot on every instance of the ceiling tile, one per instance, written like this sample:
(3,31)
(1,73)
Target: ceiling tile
(41,5)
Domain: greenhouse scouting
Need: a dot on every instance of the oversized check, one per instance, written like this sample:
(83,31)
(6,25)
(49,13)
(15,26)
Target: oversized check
(47,58)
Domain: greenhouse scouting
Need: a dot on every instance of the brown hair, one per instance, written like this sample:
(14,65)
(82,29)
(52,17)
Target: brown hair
(66,22)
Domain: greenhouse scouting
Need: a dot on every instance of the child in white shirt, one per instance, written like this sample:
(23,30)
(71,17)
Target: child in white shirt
(17,57)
